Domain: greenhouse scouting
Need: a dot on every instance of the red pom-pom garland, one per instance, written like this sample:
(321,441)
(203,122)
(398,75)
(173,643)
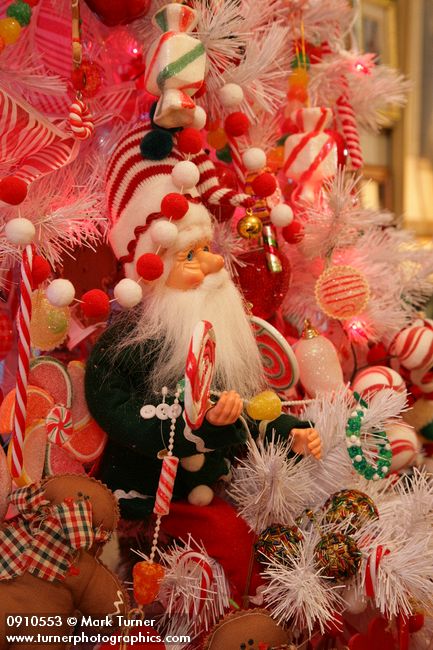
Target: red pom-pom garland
(264,184)
(236,124)
(189,141)
(41,270)
(95,304)
(13,190)
(150,266)
(174,206)
(293,233)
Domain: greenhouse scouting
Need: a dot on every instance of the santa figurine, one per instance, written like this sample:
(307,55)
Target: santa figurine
(162,233)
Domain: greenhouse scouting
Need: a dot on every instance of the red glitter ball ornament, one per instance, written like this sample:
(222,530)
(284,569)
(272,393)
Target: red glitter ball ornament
(264,289)
(189,141)
(13,190)
(236,124)
(6,335)
(174,206)
(95,304)
(150,266)
(87,78)
(264,184)
(41,270)
(118,12)
(293,233)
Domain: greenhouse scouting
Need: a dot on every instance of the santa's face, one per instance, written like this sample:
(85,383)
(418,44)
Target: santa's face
(192,265)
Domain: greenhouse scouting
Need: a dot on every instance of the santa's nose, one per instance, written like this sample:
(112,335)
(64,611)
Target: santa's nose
(209,262)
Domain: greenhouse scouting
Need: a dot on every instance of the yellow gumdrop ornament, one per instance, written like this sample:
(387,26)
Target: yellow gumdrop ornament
(264,406)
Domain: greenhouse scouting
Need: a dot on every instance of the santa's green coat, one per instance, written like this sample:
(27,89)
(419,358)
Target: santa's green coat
(116,391)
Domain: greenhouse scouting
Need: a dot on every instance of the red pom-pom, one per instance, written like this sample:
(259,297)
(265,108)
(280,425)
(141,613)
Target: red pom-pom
(236,124)
(13,190)
(264,184)
(293,233)
(41,270)
(174,206)
(150,266)
(189,140)
(95,304)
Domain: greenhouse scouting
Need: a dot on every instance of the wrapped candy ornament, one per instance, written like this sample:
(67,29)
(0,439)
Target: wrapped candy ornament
(311,155)
(175,66)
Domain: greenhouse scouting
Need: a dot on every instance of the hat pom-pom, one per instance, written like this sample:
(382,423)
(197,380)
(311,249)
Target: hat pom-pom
(60,292)
(163,233)
(128,293)
(150,266)
(156,145)
(174,206)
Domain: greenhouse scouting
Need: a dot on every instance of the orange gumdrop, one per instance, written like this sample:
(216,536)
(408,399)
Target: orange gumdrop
(217,139)
(298,77)
(275,158)
(146,578)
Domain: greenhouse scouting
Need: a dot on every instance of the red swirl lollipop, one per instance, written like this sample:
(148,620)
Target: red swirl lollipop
(199,371)
(279,361)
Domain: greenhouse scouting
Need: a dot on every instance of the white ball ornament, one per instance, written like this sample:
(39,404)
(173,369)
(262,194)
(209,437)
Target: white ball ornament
(185,175)
(200,118)
(128,293)
(254,159)
(20,231)
(231,95)
(281,215)
(164,233)
(60,293)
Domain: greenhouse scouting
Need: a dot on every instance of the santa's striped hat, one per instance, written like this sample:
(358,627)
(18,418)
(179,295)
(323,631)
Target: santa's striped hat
(136,188)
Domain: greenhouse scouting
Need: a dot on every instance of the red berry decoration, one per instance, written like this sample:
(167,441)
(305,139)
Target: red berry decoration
(41,270)
(87,78)
(236,124)
(264,184)
(13,190)
(95,304)
(189,141)
(293,233)
(150,266)
(174,206)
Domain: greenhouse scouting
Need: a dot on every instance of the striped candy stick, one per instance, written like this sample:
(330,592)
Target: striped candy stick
(238,164)
(349,126)
(164,492)
(24,315)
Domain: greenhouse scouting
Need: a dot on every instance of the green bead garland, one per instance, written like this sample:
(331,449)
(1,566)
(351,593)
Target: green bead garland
(356,453)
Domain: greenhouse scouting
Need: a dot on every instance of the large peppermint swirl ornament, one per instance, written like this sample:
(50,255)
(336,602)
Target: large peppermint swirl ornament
(370,471)
(80,120)
(199,371)
(279,361)
(371,380)
(413,346)
(59,424)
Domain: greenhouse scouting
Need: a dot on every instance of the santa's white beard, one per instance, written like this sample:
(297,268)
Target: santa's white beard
(169,316)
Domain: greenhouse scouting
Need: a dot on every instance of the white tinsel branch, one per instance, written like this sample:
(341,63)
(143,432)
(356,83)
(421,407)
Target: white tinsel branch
(318,20)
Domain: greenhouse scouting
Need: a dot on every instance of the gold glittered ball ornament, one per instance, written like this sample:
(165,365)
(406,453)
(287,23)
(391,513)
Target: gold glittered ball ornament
(250,226)
(342,292)
(49,325)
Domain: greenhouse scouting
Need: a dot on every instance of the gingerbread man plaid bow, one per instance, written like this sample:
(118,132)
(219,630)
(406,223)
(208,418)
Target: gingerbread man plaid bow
(45,539)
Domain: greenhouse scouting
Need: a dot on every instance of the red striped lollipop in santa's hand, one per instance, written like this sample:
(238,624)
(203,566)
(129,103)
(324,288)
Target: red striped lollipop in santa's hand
(199,371)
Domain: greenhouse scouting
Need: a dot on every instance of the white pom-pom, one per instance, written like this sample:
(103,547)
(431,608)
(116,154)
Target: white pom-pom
(163,233)
(254,159)
(200,118)
(281,215)
(185,175)
(128,293)
(60,293)
(231,95)
(20,231)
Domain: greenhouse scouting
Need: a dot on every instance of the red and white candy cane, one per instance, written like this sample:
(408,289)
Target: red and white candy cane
(24,315)
(371,569)
(349,126)
(196,565)
(80,120)
(238,164)
(199,370)
(164,492)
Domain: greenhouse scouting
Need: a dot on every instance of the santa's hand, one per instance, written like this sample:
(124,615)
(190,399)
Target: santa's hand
(307,441)
(226,410)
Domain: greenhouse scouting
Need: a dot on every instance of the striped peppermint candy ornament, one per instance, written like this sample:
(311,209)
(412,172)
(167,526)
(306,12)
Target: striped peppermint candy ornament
(413,346)
(80,120)
(165,486)
(59,424)
(372,568)
(404,444)
(376,378)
